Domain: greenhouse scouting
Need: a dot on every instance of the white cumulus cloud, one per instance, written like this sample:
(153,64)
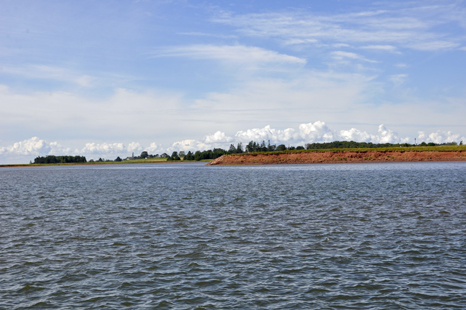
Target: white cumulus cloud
(153,148)
(317,132)
(33,146)
(440,137)
(188,145)
(26,149)
(388,136)
(111,148)
(103,148)
(354,134)
(265,134)
(218,137)
(311,132)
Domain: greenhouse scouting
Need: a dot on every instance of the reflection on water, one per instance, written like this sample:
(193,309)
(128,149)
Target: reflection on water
(185,236)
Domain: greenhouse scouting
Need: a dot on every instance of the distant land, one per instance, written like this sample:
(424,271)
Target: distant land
(262,153)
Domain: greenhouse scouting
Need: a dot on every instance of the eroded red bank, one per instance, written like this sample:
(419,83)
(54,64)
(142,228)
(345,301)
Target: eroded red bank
(339,157)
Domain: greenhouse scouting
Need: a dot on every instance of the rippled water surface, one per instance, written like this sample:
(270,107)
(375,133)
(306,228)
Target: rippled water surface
(187,236)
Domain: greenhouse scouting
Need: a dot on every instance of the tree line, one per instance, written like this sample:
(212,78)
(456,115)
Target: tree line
(52,159)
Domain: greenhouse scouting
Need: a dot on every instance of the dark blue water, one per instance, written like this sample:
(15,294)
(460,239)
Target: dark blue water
(187,236)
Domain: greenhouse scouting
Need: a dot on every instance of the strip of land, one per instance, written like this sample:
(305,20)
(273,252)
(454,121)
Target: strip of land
(125,162)
(415,154)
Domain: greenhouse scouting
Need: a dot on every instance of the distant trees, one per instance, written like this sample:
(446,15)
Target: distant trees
(209,154)
(118,158)
(144,154)
(256,147)
(234,150)
(350,144)
(189,156)
(174,157)
(52,159)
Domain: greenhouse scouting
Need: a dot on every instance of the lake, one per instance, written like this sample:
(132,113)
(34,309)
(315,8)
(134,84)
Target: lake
(189,236)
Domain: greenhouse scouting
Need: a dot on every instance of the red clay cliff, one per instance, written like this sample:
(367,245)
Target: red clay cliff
(339,157)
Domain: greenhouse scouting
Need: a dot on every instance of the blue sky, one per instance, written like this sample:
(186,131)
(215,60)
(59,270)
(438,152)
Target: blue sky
(106,78)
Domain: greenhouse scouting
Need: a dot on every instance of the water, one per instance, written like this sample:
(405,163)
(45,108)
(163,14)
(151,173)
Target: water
(187,236)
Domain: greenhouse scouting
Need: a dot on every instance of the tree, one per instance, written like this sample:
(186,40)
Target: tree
(175,156)
(144,154)
(281,147)
(232,149)
(189,156)
(250,146)
(118,158)
(263,148)
(239,148)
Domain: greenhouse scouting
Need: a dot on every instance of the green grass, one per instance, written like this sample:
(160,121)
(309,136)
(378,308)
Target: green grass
(443,148)
(15,165)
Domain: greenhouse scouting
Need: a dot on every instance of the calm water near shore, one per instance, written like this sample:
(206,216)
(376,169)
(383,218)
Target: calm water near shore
(188,236)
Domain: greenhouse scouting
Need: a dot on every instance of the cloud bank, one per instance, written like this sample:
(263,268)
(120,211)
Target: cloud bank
(317,132)
(33,146)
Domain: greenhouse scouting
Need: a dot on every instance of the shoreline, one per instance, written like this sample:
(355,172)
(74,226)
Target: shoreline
(313,156)
(95,163)
(333,157)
